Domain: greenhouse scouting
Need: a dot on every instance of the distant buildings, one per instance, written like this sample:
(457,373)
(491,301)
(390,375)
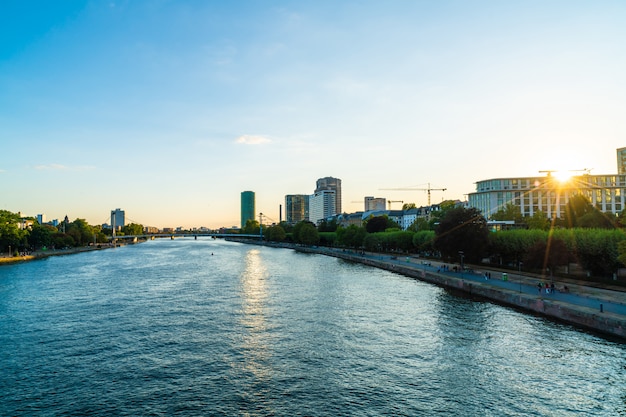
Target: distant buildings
(322,205)
(248,209)
(118,219)
(331,184)
(296,208)
(374,203)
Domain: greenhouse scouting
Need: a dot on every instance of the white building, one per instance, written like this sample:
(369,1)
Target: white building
(548,194)
(322,205)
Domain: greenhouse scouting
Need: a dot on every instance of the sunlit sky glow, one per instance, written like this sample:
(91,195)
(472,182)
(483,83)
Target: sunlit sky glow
(169,109)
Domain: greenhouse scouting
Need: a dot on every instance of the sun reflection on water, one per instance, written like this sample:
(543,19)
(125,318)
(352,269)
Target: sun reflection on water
(255,349)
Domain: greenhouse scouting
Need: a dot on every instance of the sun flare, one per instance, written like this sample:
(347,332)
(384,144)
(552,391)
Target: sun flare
(563,175)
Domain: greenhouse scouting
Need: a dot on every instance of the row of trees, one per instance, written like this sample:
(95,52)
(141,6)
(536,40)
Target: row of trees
(16,239)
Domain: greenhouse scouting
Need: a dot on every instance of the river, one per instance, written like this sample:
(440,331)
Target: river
(213,328)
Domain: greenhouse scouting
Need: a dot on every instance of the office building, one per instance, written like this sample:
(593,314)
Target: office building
(41,218)
(118,219)
(548,194)
(296,208)
(375,203)
(322,205)
(247,207)
(331,184)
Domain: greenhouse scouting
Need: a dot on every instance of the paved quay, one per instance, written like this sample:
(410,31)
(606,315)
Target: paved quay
(602,310)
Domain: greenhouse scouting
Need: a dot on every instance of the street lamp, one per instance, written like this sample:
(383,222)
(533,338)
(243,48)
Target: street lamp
(462,255)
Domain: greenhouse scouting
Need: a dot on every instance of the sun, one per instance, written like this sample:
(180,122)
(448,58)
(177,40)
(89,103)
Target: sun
(562,176)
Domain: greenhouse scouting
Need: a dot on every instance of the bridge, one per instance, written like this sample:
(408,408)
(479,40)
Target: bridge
(181,235)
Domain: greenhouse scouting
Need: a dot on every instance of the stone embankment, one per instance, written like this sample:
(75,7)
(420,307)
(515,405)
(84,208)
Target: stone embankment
(583,309)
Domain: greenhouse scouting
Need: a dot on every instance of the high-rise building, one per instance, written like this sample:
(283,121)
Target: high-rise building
(118,219)
(296,208)
(322,205)
(621,161)
(247,207)
(332,184)
(41,218)
(375,203)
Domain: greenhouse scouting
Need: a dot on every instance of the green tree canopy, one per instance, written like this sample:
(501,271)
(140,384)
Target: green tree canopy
(462,229)
(307,234)
(351,236)
(508,212)
(252,227)
(380,224)
(133,229)
(276,233)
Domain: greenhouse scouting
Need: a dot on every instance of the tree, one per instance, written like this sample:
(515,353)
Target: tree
(508,212)
(41,235)
(308,234)
(10,234)
(419,224)
(327,226)
(276,233)
(252,227)
(81,232)
(539,220)
(132,229)
(380,224)
(351,236)
(577,206)
(547,254)
(462,229)
(408,206)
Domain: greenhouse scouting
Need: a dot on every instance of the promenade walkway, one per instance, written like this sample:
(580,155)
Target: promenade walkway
(595,306)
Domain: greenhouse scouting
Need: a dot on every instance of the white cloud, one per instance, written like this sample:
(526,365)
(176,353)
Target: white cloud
(59,167)
(252,140)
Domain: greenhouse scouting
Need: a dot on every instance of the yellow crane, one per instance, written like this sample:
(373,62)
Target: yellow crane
(394,201)
(428,190)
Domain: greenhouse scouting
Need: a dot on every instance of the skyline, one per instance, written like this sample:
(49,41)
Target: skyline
(169,110)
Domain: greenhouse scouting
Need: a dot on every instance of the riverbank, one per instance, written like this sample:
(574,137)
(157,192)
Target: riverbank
(591,308)
(581,306)
(51,252)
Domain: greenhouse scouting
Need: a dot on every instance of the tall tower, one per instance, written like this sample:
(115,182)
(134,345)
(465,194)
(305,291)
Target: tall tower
(247,207)
(331,184)
(118,219)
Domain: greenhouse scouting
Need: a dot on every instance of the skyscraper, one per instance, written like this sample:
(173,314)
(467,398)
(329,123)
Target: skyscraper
(322,205)
(332,184)
(247,207)
(296,208)
(118,219)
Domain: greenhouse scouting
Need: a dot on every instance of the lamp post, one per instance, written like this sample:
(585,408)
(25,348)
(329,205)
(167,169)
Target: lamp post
(462,255)
(9,251)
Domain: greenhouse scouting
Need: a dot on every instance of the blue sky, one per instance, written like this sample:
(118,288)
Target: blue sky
(169,109)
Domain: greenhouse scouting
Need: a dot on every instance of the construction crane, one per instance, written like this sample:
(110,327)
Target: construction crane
(586,171)
(418,189)
(394,201)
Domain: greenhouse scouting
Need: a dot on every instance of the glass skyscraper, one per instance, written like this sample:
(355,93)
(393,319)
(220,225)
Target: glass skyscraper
(247,207)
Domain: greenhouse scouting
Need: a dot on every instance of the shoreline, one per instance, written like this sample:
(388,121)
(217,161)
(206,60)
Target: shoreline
(594,319)
(5,260)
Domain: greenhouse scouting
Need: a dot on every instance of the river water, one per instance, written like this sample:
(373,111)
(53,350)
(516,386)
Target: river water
(214,328)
